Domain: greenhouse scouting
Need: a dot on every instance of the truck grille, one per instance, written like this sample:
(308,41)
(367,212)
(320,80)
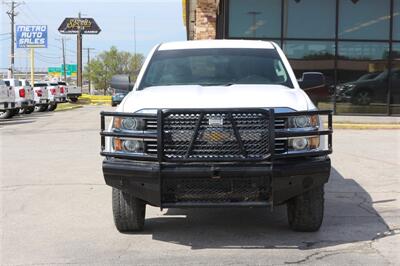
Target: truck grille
(216,135)
(195,190)
(280,144)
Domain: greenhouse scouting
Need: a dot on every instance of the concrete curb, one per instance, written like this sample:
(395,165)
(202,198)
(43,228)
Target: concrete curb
(364,126)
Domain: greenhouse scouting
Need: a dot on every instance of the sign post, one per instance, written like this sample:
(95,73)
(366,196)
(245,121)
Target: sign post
(31,36)
(79,26)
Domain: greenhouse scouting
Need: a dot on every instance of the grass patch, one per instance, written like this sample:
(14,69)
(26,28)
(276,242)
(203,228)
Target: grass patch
(95,99)
(67,106)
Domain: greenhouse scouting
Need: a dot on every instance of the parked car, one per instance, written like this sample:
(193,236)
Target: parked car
(42,96)
(366,91)
(7,101)
(221,123)
(72,91)
(117,98)
(23,95)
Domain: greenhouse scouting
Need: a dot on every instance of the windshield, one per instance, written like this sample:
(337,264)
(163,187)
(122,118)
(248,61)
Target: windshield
(209,67)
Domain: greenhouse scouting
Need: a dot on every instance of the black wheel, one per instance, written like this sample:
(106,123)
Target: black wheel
(6,114)
(129,212)
(15,111)
(113,104)
(29,110)
(306,211)
(362,98)
(41,108)
(52,107)
(74,100)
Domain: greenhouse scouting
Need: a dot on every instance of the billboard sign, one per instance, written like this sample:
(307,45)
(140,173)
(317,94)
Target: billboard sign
(31,36)
(72,26)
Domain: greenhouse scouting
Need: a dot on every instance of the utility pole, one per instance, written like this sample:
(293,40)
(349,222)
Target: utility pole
(79,52)
(63,56)
(134,48)
(88,64)
(63,40)
(12,14)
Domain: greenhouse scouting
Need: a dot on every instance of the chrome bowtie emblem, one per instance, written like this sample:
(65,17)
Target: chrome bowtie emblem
(215,121)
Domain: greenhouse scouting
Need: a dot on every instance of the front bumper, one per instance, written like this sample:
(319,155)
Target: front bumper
(285,179)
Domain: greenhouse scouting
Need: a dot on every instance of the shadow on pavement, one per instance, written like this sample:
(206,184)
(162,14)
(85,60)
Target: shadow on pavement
(349,218)
(23,119)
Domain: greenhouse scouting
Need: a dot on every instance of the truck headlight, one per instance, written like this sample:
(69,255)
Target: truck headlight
(133,146)
(304,121)
(128,145)
(129,123)
(304,143)
(298,143)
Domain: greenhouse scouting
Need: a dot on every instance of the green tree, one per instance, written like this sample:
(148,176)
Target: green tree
(112,62)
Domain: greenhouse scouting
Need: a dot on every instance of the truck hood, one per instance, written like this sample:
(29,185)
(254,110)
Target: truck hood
(235,96)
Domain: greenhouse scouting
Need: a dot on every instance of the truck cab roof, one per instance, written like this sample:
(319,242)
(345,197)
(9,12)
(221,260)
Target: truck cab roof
(210,44)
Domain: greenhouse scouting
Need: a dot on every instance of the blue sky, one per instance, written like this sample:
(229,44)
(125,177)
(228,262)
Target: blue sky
(156,21)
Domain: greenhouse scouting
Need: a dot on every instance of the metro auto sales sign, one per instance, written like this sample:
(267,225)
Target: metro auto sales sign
(31,36)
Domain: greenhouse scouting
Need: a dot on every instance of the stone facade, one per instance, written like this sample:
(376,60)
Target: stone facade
(205,20)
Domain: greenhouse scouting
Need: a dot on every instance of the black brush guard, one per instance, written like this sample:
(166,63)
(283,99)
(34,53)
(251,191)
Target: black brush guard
(180,174)
(238,145)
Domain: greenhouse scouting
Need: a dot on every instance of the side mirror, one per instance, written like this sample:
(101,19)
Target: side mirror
(121,83)
(311,80)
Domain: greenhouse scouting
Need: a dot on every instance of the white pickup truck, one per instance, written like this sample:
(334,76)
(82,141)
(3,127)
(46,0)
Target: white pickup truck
(55,95)
(72,91)
(24,102)
(7,101)
(220,123)
(42,97)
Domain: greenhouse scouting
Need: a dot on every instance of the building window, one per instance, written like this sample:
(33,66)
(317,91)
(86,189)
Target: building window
(314,56)
(254,19)
(300,17)
(395,80)
(364,19)
(396,20)
(310,50)
(363,50)
(362,77)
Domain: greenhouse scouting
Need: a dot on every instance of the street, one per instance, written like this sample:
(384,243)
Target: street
(56,209)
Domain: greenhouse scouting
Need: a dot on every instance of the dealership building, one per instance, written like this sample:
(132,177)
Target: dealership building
(355,43)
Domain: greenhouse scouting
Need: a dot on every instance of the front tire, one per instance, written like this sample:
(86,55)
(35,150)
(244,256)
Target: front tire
(73,99)
(128,211)
(52,107)
(306,211)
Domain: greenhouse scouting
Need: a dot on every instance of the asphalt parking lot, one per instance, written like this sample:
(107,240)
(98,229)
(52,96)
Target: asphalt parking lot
(56,209)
